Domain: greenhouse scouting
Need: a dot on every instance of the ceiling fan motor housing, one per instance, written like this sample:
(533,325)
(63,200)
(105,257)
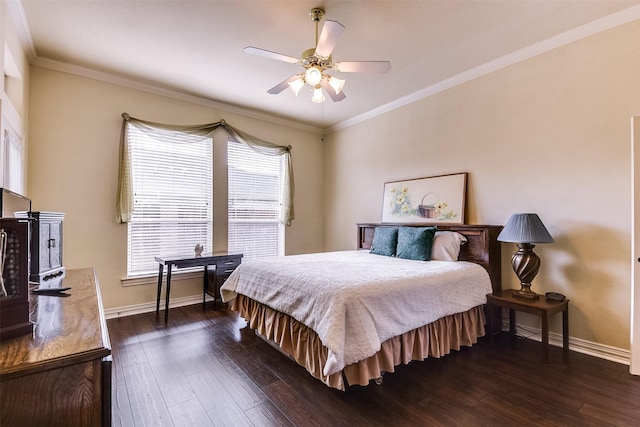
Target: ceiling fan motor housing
(316,14)
(309,59)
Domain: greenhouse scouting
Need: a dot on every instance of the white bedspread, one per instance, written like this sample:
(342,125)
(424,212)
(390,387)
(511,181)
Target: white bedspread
(355,300)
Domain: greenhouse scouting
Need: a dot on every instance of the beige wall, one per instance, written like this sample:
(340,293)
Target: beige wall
(549,135)
(75,128)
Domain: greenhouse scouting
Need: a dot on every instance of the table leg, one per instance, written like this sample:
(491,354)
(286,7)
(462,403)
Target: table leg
(160,273)
(166,304)
(512,322)
(215,288)
(565,334)
(204,286)
(545,337)
(491,311)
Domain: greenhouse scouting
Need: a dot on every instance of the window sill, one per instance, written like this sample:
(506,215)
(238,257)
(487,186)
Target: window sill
(152,279)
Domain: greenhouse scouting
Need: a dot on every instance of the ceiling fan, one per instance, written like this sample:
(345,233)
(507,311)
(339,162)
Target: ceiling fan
(317,60)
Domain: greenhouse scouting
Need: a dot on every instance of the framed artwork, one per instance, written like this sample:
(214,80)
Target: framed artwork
(434,200)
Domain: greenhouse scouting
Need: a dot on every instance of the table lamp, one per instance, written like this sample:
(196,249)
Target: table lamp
(525,229)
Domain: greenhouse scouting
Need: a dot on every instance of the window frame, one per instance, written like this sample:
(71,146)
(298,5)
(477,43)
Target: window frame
(276,210)
(170,215)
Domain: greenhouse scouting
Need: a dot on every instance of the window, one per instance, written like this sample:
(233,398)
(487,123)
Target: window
(255,197)
(11,160)
(172,179)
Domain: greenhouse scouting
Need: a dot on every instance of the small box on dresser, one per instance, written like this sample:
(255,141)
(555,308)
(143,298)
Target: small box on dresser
(46,245)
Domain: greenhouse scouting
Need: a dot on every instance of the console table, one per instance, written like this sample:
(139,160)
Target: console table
(61,374)
(223,262)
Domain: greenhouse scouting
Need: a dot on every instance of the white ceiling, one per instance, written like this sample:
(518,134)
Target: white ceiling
(196,47)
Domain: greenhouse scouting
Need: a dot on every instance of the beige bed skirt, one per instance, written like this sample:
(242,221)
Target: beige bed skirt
(304,346)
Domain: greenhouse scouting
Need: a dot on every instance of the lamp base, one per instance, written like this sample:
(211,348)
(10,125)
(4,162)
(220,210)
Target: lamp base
(525,264)
(526,293)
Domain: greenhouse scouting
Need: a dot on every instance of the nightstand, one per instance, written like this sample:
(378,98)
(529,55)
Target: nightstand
(540,307)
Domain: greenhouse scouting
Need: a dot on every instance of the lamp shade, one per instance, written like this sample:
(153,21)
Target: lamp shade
(317,97)
(525,228)
(313,76)
(296,85)
(336,84)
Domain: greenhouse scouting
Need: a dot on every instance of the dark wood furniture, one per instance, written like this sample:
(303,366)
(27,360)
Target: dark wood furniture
(60,375)
(541,307)
(14,295)
(223,262)
(46,244)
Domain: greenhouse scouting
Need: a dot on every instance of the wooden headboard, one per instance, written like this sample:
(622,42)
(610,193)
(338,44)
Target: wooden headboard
(482,247)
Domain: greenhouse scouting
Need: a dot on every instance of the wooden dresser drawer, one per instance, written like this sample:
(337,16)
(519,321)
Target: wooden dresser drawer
(226,266)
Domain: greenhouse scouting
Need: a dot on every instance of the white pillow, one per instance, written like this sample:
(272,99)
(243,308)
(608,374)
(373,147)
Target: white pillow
(446,245)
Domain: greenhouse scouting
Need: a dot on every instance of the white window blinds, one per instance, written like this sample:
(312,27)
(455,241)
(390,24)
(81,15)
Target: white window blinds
(255,195)
(172,177)
(11,155)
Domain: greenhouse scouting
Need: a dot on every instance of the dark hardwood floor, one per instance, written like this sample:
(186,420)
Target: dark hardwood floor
(205,368)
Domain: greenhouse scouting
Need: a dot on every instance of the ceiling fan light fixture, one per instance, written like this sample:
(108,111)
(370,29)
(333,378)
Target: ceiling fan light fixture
(296,85)
(318,96)
(313,76)
(317,60)
(336,83)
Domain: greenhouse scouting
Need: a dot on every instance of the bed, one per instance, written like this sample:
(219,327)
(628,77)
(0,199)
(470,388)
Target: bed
(364,314)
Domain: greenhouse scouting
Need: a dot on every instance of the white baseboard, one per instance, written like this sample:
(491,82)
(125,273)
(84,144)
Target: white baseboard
(148,307)
(601,351)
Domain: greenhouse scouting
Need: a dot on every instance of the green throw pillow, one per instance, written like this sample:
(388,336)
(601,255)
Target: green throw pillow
(415,243)
(385,240)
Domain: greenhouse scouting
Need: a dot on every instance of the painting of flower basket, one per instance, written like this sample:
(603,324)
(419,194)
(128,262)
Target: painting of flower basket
(435,199)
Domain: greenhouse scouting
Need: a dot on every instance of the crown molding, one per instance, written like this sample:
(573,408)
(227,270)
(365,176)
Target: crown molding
(24,32)
(63,67)
(605,23)
(19,18)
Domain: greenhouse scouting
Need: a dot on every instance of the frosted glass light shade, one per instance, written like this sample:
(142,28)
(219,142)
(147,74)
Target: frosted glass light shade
(296,85)
(318,96)
(336,83)
(313,76)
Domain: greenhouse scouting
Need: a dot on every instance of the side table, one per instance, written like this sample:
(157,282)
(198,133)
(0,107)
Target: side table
(541,307)
(223,262)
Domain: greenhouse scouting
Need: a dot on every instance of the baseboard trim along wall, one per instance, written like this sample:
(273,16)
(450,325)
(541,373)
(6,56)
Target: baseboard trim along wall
(149,307)
(601,351)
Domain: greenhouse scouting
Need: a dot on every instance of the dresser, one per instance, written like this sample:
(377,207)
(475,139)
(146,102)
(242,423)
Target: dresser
(61,374)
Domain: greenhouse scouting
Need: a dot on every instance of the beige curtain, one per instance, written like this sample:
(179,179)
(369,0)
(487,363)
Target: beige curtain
(124,204)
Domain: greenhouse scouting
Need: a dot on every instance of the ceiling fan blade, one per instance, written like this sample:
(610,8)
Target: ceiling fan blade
(271,55)
(363,66)
(329,36)
(336,97)
(282,85)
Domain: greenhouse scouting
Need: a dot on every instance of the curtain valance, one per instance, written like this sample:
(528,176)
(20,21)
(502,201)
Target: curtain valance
(124,204)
